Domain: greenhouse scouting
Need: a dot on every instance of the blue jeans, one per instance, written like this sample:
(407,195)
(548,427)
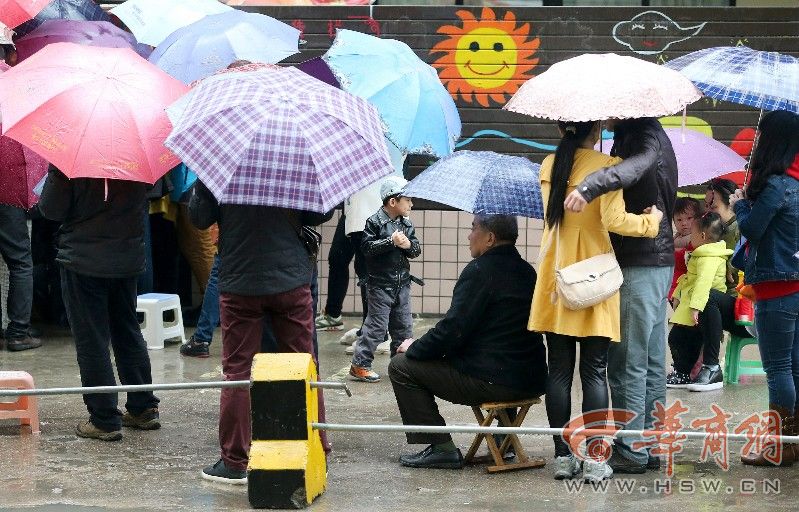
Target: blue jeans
(777,323)
(637,364)
(209,314)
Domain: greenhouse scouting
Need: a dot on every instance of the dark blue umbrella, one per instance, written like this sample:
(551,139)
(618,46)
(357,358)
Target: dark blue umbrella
(78,10)
(482,182)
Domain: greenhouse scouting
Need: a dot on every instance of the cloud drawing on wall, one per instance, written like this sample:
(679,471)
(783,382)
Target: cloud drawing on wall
(652,32)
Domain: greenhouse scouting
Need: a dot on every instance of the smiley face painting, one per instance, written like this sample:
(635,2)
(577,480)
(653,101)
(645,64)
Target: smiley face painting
(486,58)
(652,32)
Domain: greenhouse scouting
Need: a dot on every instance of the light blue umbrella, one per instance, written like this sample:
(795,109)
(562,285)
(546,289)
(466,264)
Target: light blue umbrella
(482,182)
(198,50)
(764,80)
(419,115)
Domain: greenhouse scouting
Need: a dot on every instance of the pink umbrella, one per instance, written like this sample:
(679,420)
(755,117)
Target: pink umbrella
(90,33)
(699,158)
(20,170)
(16,12)
(598,86)
(93,112)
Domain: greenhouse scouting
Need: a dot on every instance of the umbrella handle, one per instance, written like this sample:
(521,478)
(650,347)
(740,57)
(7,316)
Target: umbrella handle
(754,146)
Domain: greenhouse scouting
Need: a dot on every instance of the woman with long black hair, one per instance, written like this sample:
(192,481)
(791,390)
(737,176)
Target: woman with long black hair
(768,216)
(568,238)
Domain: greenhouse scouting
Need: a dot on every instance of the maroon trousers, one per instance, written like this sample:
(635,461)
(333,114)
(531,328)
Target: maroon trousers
(242,325)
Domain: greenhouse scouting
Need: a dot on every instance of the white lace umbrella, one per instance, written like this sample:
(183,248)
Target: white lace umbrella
(604,86)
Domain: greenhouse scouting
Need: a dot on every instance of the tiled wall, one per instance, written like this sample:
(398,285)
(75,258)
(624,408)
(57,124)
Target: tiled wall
(445,251)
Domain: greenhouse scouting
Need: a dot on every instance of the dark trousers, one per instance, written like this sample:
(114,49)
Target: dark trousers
(102,310)
(561,358)
(15,247)
(242,328)
(687,342)
(342,250)
(417,384)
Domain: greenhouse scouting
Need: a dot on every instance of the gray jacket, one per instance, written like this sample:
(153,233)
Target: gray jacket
(260,249)
(648,176)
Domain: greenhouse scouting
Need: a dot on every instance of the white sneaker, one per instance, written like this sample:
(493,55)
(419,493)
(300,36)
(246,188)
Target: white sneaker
(566,467)
(595,471)
(383,348)
(351,349)
(349,336)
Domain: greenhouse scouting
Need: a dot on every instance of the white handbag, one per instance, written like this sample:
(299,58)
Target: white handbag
(587,282)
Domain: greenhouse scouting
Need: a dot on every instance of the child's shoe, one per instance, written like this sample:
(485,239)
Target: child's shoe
(708,379)
(566,467)
(677,380)
(363,374)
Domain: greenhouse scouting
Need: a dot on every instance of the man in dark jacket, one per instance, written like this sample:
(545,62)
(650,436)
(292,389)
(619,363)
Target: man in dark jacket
(264,270)
(101,253)
(637,365)
(481,351)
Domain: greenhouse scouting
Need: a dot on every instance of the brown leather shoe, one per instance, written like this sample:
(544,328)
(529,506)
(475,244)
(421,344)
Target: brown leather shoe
(26,343)
(789,451)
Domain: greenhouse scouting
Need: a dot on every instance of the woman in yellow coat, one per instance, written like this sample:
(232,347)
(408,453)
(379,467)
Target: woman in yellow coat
(581,236)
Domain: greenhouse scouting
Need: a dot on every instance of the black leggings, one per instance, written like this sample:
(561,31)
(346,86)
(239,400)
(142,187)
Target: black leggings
(686,342)
(561,356)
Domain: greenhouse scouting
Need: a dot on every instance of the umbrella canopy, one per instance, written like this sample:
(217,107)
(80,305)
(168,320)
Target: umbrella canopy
(591,87)
(15,12)
(76,10)
(92,112)
(317,68)
(482,182)
(20,170)
(208,45)
(419,115)
(738,74)
(151,21)
(699,158)
(278,137)
(90,33)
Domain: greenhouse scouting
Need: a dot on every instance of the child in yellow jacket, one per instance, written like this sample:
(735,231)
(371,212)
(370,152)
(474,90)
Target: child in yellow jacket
(702,308)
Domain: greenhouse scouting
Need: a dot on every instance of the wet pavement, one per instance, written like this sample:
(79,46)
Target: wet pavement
(160,470)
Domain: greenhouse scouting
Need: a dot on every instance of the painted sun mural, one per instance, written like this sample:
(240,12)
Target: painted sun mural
(486,58)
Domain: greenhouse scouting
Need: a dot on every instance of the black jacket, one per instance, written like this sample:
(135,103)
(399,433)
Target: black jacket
(386,264)
(484,334)
(102,224)
(260,249)
(648,176)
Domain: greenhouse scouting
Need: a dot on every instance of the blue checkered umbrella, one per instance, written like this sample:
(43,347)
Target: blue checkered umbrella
(764,80)
(482,182)
(79,10)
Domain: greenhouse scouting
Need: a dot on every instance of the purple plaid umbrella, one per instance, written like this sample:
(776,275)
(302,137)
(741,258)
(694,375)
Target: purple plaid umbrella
(699,158)
(278,137)
(90,33)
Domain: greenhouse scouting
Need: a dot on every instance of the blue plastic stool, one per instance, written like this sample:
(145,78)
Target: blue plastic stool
(734,366)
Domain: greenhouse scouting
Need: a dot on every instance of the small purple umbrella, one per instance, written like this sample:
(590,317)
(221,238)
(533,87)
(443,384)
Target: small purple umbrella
(699,158)
(275,136)
(89,33)
(319,69)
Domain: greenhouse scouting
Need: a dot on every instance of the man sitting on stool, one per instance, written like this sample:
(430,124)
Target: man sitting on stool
(481,351)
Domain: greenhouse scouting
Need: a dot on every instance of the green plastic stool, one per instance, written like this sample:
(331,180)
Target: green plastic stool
(734,366)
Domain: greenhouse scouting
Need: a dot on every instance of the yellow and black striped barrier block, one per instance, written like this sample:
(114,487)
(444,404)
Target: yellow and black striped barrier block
(287,463)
